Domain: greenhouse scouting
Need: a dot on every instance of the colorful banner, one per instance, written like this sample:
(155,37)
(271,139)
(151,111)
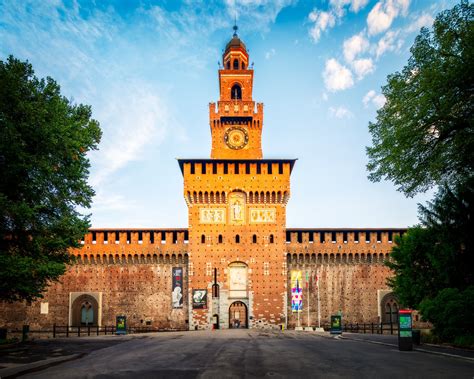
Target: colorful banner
(199,299)
(296,291)
(177,288)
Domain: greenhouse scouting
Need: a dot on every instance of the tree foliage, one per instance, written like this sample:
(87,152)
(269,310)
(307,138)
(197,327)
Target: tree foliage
(451,313)
(433,264)
(44,139)
(423,135)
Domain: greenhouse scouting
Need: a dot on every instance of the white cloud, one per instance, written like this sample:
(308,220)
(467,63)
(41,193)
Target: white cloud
(355,5)
(363,67)
(389,42)
(133,118)
(354,46)
(423,20)
(340,112)
(383,13)
(325,20)
(336,76)
(270,53)
(376,99)
(324,96)
(322,21)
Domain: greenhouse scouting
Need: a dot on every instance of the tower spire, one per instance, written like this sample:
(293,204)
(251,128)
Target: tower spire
(235,26)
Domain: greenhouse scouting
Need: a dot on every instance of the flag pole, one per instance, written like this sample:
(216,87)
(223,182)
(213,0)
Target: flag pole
(307,286)
(319,303)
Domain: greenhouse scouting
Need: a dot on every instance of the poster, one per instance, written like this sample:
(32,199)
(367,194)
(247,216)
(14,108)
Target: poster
(177,288)
(199,299)
(296,291)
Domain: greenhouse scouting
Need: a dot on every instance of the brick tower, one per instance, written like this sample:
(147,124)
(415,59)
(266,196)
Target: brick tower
(237,212)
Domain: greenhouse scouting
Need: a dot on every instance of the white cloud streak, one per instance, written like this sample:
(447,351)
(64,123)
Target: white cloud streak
(372,97)
(383,13)
(340,112)
(336,76)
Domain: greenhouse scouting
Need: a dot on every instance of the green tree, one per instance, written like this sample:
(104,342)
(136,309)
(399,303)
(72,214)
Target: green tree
(439,253)
(44,139)
(423,135)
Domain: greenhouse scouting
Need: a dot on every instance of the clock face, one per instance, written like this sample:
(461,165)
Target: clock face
(236,137)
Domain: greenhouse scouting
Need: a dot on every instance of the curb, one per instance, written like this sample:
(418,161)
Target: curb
(414,349)
(13,372)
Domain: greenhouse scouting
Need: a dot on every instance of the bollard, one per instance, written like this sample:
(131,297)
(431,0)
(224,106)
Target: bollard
(25,331)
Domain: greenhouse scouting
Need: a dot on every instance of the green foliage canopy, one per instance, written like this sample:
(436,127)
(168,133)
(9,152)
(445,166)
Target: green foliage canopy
(424,133)
(44,139)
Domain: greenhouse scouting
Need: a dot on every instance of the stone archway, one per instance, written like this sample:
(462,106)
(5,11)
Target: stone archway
(85,311)
(389,308)
(238,315)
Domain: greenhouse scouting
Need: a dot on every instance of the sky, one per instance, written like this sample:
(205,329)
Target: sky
(149,70)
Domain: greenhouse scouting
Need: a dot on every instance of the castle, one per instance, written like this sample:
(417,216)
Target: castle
(237,264)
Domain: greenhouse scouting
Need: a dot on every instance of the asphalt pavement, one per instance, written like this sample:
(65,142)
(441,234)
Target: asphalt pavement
(250,354)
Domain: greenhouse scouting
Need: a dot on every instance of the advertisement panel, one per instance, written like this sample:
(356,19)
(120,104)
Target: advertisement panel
(199,299)
(296,291)
(177,288)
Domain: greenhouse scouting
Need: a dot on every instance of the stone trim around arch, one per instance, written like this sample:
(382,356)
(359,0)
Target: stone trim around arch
(95,297)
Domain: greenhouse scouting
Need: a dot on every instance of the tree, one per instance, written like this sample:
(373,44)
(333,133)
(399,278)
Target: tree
(44,139)
(439,253)
(424,133)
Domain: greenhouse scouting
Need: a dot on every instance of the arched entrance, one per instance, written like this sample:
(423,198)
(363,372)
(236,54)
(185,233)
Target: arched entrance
(85,311)
(238,315)
(389,307)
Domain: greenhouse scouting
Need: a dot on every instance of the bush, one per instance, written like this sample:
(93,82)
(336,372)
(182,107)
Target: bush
(451,312)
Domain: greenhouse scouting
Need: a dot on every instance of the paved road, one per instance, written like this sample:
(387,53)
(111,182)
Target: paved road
(249,354)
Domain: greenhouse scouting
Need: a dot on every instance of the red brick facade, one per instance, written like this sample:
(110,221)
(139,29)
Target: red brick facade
(236,250)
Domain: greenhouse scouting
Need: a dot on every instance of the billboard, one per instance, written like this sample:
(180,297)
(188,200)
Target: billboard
(199,299)
(177,288)
(296,291)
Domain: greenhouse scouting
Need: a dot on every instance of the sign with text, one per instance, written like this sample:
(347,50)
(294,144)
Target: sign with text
(121,325)
(405,334)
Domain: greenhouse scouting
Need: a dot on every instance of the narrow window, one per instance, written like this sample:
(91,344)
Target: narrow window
(228,65)
(220,238)
(254,238)
(236,64)
(237,239)
(271,238)
(236,92)
(203,238)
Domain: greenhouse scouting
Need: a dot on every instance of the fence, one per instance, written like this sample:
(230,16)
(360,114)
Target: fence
(369,328)
(60,331)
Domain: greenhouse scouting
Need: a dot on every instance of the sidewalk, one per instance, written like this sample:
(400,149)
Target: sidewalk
(392,340)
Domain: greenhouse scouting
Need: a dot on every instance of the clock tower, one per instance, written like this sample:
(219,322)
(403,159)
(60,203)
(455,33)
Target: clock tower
(237,274)
(237,121)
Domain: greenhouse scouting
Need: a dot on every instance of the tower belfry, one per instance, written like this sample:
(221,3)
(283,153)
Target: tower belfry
(236,123)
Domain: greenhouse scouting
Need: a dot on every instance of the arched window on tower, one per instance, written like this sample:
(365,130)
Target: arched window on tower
(236,64)
(243,66)
(228,65)
(220,238)
(236,92)
(203,238)
(237,239)
(254,238)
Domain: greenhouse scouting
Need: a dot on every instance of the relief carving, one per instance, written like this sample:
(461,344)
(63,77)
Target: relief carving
(260,216)
(212,216)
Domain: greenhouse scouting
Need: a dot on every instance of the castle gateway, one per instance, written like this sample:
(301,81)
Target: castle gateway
(237,264)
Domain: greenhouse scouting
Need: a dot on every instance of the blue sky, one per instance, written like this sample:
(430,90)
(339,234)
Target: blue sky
(149,70)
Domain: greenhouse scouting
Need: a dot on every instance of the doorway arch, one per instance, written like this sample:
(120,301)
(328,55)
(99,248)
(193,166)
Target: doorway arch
(389,306)
(238,315)
(85,311)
